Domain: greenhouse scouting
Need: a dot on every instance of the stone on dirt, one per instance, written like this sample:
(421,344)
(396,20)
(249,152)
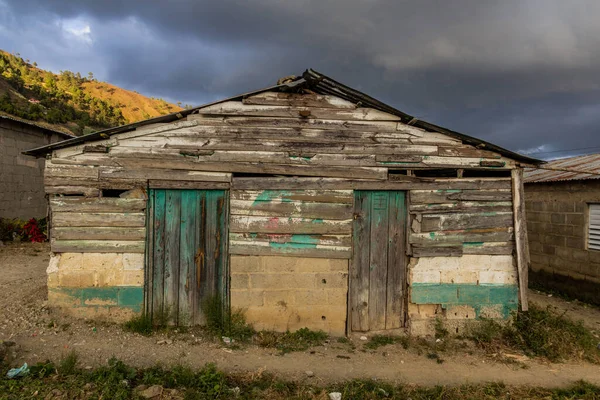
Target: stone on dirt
(151,392)
(335,396)
(309,373)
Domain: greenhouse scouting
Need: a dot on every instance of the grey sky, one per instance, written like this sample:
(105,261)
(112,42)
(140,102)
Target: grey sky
(522,74)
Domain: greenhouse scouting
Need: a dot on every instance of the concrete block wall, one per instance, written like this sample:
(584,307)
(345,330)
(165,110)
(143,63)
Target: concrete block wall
(21,177)
(557,229)
(97,284)
(289,293)
(460,289)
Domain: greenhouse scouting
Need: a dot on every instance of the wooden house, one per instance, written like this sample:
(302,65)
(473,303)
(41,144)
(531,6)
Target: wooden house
(307,204)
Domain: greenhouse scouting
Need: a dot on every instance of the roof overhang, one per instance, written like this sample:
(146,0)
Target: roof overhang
(316,82)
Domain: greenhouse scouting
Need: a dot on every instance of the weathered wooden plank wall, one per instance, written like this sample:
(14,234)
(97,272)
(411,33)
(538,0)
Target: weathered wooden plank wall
(99,225)
(292,222)
(454,222)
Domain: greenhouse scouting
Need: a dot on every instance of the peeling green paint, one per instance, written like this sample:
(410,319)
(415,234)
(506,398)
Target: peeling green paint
(476,296)
(432,235)
(473,244)
(131,297)
(317,221)
(270,195)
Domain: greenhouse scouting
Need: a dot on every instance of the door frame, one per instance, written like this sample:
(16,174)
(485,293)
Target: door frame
(406,255)
(149,240)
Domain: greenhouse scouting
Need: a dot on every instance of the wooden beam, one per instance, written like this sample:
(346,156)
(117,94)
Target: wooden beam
(520,235)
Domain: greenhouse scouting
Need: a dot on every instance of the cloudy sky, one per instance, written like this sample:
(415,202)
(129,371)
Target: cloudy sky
(524,74)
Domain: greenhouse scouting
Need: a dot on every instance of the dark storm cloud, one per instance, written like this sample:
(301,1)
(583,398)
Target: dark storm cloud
(520,74)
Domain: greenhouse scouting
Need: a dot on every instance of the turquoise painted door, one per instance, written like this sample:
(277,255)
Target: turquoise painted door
(378,268)
(187,253)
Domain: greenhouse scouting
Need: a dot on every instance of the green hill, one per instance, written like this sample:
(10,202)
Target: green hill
(69,102)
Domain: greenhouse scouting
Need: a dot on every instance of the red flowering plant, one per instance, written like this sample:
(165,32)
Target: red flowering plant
(33,231)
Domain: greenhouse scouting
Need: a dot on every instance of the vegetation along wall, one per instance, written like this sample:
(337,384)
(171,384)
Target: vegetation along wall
(293,167)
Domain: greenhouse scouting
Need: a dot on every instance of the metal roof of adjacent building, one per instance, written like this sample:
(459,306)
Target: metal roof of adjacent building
(43,127)
(590,162)
(317,83)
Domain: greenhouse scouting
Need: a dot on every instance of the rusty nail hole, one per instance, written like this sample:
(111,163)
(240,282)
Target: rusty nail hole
(324,281)
(323,317)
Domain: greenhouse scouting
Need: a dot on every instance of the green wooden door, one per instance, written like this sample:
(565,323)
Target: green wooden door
(378,268)
(187,253)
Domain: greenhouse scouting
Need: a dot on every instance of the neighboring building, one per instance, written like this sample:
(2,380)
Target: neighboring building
(307,204)
(21,177)
(563,219)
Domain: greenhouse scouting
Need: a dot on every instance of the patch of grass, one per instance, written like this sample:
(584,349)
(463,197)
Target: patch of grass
(141,324)
(383,340)
(540,332)
(288,342)
(68,365)
(543,332)
(440,330)
(117,380)
(223,322)
(485,332)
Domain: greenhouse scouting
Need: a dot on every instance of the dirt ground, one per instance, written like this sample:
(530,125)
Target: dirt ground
(44,334)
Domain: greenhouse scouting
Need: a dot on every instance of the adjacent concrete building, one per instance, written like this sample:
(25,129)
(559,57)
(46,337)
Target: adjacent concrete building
(307,204)
(21,177)
(563,220)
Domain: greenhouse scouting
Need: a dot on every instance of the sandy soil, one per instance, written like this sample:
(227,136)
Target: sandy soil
(44,334)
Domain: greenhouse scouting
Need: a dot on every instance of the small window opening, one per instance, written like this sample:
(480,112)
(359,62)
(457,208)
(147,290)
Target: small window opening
(113,192)
(593,239)
(436,173)
(483,173)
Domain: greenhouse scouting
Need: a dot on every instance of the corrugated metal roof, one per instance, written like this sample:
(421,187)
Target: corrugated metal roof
(41,126)
(590,162)
(317,83)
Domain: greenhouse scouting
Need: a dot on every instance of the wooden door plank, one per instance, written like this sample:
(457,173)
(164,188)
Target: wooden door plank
(149,255)
(172,220)
(222,248)
(359,270)
(396,267)
(199,259)
(186,255)
(378,259)
(158,253)
(520,225)
(212,244)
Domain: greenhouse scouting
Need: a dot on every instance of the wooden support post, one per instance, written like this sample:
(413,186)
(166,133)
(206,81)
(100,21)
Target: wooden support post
(520,235)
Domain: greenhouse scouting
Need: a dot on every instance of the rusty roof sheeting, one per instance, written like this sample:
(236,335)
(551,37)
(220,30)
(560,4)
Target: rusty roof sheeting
(590,162)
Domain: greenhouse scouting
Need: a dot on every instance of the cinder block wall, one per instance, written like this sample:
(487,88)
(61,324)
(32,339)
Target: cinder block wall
(460,289)
(21,177)
(289,293)
(89,285)
(556,223)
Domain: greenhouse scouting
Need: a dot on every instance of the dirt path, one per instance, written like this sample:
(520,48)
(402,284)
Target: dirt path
(43,335)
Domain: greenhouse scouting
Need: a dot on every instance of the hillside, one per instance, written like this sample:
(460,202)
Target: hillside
(69,102)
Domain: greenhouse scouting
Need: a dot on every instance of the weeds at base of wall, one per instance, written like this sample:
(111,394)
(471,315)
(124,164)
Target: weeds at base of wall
(146,325)
(288,342)
(117,380)
(223,322)
(539,332)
